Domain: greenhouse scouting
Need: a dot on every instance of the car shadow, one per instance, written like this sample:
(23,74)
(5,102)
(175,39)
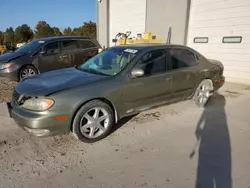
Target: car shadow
(212,133)
(121,123)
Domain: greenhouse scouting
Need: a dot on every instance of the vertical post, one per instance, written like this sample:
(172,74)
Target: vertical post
(169,35)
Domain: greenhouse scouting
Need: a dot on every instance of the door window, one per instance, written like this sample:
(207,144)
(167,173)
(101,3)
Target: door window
(69,44)
(153,62)
(51,48)
(83,44)
(182,58)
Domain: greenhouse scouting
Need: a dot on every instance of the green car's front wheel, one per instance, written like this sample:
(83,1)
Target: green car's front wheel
(93,121)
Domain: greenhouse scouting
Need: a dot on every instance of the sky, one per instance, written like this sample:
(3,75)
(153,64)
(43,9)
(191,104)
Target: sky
(57,13)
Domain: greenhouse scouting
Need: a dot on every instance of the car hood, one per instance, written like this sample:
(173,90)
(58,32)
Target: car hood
(55,81)
(10,56)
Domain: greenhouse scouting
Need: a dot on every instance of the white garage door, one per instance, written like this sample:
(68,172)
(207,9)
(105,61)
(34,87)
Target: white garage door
(218,20)
(126,15)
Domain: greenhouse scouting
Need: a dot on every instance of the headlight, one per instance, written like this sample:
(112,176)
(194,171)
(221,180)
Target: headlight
(5,65)
(37,104)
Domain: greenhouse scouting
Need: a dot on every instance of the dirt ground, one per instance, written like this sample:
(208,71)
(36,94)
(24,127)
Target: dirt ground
(6,89)
(174,146)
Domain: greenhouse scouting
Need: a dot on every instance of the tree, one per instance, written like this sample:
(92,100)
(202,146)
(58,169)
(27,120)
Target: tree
(23,33)
(9,35)
(1,37)
(88,29)
(67,31)
(76,31)
(57,31)
(43,29)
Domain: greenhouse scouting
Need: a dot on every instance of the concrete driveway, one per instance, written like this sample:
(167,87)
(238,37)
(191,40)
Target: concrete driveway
(158,148)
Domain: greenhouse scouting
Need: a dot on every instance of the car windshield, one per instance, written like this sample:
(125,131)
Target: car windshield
(30,47)
(109,62)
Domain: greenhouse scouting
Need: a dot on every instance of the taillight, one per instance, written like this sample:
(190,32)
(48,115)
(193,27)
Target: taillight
(100,50)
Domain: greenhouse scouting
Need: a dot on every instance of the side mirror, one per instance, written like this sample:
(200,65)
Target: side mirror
(135,73)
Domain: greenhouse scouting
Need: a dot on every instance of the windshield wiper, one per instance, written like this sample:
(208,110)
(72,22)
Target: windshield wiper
(95,72)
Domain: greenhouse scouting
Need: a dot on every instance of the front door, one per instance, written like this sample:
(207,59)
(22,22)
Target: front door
(49,60)
(151,89)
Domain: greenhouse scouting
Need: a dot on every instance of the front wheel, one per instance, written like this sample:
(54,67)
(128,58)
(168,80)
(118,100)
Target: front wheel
(203,93)
(93,121)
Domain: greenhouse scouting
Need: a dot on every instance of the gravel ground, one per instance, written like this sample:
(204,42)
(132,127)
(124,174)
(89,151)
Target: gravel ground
(153,149)
(6,89)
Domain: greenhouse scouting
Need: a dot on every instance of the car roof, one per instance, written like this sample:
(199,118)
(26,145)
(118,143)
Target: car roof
(145,46)
(62,37)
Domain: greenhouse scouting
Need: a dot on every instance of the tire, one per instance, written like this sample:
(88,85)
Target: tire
(88,132)
(28,70)
(203,93)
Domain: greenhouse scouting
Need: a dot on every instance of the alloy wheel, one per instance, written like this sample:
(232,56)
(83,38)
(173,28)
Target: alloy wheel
(203,93)
(27,72)
(95,122)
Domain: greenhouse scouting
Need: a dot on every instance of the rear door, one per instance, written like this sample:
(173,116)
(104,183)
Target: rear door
(66,56)
(151,89)
(86,49)
(185,72)
(49,59)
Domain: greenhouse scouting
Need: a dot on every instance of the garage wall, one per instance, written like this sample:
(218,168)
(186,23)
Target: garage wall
(216,19)
(126,15)
(161,14)
(102,22)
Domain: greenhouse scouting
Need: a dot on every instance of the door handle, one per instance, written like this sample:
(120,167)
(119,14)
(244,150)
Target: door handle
(204,70)
(63,56)
(167,79)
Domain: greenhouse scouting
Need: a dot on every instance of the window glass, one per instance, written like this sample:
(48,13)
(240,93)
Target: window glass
(30,47)
(110,61)
(182,58)
(85,44)
(51,48)
(201,40)
(153,62)
(69,45)
(232,39)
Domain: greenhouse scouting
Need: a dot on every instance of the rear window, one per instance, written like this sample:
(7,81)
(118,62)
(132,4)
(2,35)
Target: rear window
(83,44)
(69,44)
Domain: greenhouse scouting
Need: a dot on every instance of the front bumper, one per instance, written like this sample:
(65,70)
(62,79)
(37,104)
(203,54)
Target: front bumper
(38,123)
(10,74)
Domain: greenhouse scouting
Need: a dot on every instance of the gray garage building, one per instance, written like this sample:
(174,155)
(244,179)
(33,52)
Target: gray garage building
(220,29)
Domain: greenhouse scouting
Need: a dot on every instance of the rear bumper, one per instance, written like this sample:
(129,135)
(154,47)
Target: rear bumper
(219,83)
(38,124)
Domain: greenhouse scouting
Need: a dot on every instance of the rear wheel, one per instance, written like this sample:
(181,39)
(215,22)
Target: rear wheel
(26,71)
(203,93)
(93,121)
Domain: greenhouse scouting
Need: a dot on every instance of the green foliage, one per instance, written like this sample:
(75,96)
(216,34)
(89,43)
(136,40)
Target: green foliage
(9,35)
(43,29)
(57,31)
(1,36)
(67,31)
(23,33)
(87,29)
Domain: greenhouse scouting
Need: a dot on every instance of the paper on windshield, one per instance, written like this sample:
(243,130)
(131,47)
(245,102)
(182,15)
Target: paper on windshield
(133,51)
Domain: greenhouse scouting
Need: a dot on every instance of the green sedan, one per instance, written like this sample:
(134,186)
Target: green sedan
(120,81)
